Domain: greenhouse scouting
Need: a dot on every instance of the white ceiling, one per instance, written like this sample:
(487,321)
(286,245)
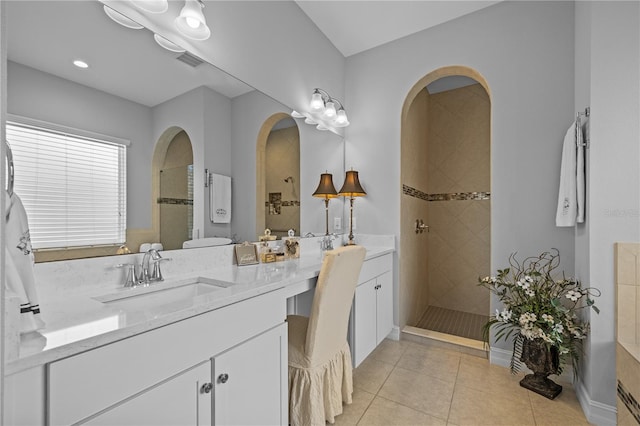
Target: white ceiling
(354,26)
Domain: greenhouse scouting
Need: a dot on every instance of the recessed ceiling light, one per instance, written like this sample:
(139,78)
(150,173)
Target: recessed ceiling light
(80,63)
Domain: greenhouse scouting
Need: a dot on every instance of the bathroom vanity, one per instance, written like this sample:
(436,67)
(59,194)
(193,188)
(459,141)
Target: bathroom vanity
(202,358)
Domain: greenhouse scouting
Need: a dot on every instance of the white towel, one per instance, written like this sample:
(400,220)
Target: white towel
(567,211)
(20,277)
(220,199)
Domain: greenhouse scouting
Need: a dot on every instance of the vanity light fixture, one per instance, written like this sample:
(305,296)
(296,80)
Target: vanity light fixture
(327,191)
(351,188)
(121,19)
(325,112)
(191,22)
(152,6)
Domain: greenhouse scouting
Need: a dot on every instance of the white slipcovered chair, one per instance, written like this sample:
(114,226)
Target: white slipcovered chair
(320,369)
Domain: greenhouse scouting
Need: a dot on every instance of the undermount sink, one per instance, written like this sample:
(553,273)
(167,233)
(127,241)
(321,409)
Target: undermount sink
(170,297)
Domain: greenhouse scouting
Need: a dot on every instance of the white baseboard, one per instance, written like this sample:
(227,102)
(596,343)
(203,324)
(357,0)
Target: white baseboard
(596,412)
(395,333)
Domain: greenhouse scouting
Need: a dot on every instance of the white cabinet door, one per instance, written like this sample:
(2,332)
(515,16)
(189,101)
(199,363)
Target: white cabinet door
(181,400)
(384,306)
(250,381)
(364,339)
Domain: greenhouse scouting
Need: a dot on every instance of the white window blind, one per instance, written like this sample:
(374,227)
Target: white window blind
(73,187)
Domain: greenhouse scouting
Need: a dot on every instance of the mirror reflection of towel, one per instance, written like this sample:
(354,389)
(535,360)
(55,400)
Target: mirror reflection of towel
(20,278)
(220,199)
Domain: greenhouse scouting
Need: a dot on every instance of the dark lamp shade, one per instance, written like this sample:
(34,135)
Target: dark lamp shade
(325,187)
(351,186)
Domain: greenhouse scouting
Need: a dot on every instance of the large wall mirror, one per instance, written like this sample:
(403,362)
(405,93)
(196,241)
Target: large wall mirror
(181,116)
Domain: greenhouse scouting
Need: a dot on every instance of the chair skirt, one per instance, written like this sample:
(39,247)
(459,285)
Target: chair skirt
(316,390)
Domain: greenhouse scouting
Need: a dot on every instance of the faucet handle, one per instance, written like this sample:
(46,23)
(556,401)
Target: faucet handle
(130,279)
(156,275)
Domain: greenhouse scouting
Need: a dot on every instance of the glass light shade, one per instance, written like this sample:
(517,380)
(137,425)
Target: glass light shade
(121,19)
(330,110)
(191,22)
(152,6)
(325,187)
(163,42)
(296,114)
(351,186)
(310,120)
(321,126)
(341,118)
(316,104)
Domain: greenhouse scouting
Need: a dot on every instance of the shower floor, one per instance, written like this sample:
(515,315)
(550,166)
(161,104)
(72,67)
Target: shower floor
(457,323)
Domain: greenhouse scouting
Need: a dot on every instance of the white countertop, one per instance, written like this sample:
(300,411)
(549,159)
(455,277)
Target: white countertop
(79,322)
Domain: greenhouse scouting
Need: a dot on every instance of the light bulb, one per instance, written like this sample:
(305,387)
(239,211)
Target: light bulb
(317,104)
(330,110)
(191,22)
(341,118)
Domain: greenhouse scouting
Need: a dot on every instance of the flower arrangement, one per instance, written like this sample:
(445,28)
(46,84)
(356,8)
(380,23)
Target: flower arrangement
(539,305)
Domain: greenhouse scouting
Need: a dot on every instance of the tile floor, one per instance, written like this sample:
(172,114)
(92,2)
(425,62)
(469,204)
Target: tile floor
(406,383)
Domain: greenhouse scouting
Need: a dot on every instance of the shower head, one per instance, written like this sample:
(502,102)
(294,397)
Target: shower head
(289,179)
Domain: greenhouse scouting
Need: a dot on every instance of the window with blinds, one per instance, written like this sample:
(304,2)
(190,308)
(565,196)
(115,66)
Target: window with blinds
(73,187)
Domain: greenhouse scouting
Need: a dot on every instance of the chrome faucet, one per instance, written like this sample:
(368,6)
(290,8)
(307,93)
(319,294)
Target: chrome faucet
(327,242)
(148,275)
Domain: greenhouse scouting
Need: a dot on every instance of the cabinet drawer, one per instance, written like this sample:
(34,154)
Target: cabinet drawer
(87,383)
(374,267)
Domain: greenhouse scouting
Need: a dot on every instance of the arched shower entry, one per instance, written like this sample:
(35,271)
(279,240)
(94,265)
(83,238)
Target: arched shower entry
(446,181)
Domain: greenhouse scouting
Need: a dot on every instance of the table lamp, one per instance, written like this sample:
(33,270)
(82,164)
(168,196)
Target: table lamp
(351,188)
(326,190)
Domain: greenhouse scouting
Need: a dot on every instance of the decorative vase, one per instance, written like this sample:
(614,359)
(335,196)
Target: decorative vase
(543,360)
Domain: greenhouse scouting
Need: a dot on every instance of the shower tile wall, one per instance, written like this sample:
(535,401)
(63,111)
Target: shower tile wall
(414,293)
(458,161)
(282,161)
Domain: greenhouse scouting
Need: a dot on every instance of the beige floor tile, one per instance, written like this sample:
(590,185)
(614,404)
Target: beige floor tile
(419,391)
(564,409)
(386,413)
(472,407)
(478,374)
(438,363)
(389,351)
(354,411)
(371,374)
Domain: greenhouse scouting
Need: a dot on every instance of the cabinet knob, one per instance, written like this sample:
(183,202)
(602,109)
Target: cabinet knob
(206,388)
(223,378)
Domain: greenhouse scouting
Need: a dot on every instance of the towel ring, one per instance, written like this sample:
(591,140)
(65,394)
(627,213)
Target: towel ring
(10,168)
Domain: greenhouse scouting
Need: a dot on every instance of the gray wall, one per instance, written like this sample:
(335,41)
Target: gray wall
(607,79)
(525,52)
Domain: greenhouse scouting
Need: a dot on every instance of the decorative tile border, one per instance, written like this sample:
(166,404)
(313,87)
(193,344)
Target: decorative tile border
(176,201)
(629,401)
(285,203)
(461,196)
